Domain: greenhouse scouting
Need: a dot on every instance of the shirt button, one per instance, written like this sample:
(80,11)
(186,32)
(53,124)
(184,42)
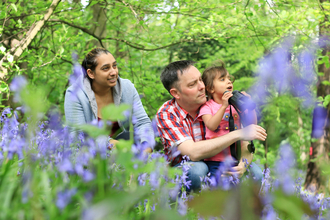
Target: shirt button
(226,128)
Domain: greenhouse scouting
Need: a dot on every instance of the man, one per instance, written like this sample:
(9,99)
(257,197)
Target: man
(178,125)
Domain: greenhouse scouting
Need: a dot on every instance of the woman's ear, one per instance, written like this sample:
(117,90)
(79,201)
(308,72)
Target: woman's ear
(90,73)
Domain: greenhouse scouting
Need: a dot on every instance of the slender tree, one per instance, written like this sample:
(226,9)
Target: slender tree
(319,152)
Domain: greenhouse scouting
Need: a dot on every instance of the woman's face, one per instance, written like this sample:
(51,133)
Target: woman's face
(106,71)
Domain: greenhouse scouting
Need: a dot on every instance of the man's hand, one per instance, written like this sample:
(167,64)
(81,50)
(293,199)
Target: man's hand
(237,171)
(253,132)
(244,93)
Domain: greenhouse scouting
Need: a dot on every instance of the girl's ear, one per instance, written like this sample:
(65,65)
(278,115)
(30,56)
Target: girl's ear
(90,73)
(211,91)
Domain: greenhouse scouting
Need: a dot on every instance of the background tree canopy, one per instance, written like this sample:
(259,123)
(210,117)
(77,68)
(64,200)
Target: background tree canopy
(144,36)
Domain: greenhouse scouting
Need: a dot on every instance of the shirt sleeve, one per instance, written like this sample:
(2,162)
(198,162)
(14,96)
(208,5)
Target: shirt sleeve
(204,110)
(74,112)
(171,129)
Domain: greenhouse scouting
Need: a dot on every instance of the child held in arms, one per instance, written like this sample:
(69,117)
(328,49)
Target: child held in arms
(215,113)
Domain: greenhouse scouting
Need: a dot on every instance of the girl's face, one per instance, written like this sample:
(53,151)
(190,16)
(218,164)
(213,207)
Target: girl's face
(221,84)
(106,71)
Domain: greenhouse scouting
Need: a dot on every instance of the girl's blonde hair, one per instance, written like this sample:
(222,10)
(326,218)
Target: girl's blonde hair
(211,73)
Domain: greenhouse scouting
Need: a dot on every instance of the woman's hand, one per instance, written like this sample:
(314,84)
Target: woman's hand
(113,142)
(147,150)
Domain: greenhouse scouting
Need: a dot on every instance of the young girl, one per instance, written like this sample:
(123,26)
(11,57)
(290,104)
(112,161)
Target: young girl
(215,112)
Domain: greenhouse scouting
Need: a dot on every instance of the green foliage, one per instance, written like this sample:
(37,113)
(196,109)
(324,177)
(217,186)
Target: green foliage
(285,120)
(291,207)
(144,36)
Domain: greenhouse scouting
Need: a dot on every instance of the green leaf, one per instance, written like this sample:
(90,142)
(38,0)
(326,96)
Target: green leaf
(14,7)
(119,203)
(291,206)
(326,61)
(326,82)
(3,86)
(113,113)
(2,49)
(92,130)
(210,203)
(326,101)
(229,204)
(10,58)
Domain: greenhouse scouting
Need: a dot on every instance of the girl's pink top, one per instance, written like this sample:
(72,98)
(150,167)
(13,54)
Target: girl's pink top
(210,108)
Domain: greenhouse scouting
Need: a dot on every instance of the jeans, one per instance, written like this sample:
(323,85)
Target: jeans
(201,169)
(213,166)
(197,169)
(256,171)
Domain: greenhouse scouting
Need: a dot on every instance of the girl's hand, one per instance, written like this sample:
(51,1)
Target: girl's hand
(225,98)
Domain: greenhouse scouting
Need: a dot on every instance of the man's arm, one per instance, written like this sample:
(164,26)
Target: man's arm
(208,148)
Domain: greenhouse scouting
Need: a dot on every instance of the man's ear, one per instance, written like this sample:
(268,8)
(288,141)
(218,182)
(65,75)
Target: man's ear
(90,73)
(175,93)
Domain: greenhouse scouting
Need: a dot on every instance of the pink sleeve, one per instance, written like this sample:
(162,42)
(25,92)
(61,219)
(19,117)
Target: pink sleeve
(204,110)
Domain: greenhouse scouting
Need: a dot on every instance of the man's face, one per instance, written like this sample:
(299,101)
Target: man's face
(191,89)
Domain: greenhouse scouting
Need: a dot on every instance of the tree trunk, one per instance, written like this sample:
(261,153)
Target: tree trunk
(320,149)
(99,26)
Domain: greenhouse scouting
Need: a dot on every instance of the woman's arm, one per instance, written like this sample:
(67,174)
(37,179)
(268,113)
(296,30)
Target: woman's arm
(73,109)
(142,126)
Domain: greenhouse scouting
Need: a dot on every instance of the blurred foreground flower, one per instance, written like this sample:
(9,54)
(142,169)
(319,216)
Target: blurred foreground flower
(320,119)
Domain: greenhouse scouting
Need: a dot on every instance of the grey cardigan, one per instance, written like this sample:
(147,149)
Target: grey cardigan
(80,106)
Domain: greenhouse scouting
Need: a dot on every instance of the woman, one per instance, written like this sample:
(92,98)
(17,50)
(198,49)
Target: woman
(99,86)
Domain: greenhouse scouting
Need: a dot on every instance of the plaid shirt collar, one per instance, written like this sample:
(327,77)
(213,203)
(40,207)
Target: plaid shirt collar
(183,113)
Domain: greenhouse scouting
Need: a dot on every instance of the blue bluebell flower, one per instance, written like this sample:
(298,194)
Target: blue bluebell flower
(319,121)
(64,197)
(17,85)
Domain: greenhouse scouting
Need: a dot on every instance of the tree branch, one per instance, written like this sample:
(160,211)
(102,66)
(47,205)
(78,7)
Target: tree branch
(83,29)
(271,8)
(24,43)
(254,30)
(131,44)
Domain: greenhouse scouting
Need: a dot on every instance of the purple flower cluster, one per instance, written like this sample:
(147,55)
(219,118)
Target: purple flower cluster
(283,71)
(64,197)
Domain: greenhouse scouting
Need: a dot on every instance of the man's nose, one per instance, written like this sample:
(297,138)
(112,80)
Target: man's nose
(201,85)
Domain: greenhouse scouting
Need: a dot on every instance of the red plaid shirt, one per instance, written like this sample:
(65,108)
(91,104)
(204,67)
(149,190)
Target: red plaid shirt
(175,126)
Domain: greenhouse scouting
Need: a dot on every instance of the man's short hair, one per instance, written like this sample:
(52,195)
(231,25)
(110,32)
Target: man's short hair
(169,76)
